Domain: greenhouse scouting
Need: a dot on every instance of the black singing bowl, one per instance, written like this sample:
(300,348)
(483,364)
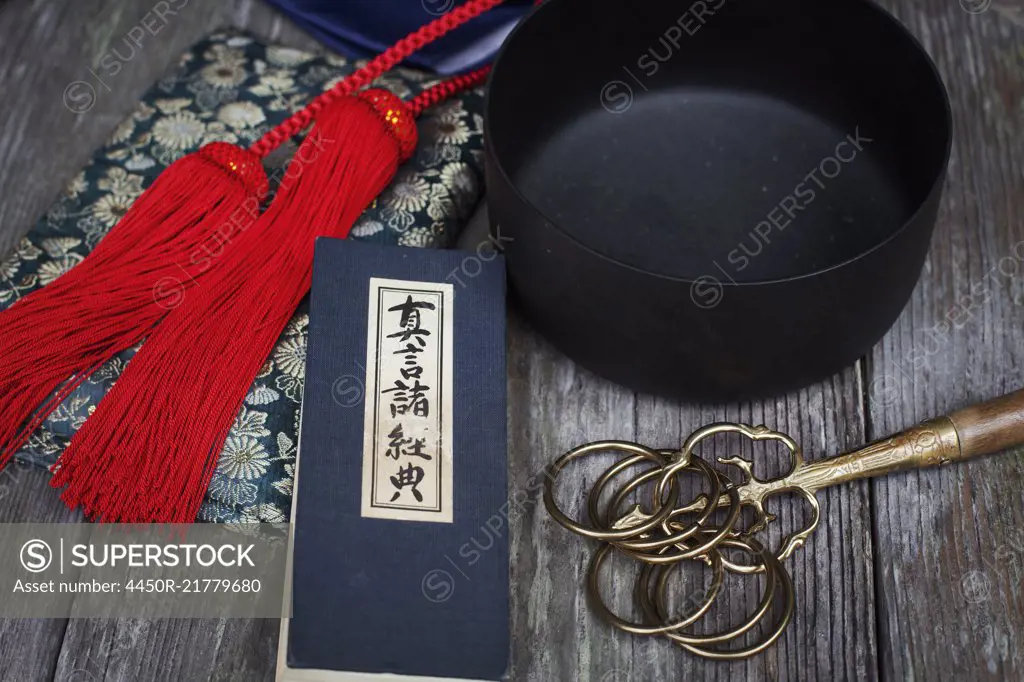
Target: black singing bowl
(714,201)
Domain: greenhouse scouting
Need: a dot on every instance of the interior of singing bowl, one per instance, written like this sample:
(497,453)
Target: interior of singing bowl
(764,139)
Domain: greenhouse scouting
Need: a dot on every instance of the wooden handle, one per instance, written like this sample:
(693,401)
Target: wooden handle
(991,426)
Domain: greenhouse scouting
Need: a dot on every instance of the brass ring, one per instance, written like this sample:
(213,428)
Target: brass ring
(715,534)
(767,598)
(602,521)
(773,569)
(670,538)
(753,650)
(607,446)
(654,607)
(687,552)
(593,576)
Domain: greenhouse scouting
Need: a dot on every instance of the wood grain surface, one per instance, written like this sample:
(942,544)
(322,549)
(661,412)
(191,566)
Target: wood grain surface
(915,576)
(951,543)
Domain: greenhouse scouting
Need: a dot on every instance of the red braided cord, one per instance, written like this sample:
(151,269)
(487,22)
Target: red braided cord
(453,86)
(385,61)
(442,91)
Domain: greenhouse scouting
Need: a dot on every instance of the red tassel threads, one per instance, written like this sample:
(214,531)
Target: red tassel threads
(149,451)
(52,339)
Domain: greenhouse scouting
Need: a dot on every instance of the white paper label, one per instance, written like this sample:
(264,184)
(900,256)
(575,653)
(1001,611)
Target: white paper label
(407,434)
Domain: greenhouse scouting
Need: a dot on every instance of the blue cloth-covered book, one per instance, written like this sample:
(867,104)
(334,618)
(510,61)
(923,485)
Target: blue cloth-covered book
(400,556)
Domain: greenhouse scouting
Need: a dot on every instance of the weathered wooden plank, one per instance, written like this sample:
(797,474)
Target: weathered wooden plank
(29,647)
(58,111)
(127,650)
(61,105)
(950,549)
(554,406)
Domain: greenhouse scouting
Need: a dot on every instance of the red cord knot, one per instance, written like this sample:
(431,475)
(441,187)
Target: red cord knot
(399,117)
(241,163)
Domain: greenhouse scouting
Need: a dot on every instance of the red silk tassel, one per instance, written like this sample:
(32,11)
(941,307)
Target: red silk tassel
(148,452)
(52,339)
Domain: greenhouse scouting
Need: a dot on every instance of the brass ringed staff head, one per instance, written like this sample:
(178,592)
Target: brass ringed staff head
(671,533)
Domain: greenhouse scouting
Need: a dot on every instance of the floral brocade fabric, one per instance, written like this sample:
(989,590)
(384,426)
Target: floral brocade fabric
(234,89)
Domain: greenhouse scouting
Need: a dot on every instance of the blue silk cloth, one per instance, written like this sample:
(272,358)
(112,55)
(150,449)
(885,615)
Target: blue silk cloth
(364,28)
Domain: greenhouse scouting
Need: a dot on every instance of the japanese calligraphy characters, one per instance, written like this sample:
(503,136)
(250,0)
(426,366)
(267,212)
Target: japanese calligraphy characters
(407,449)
